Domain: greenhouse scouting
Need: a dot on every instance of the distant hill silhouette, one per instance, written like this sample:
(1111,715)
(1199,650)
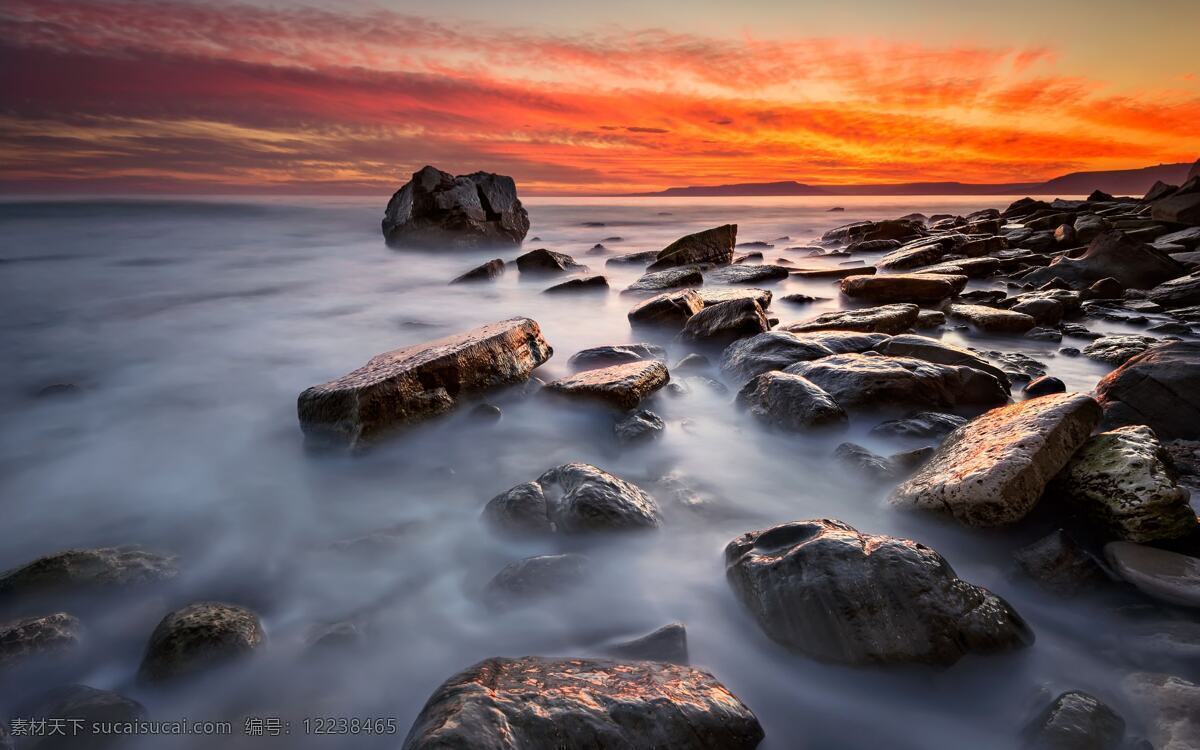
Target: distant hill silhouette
(1116,182)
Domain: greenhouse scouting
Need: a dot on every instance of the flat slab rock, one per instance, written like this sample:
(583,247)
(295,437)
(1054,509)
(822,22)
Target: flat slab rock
(623,386)
(939,352)
(573,498)
(1118,349)
(1170,576)
(726,322)
(992,319)
(991,471)
(535,703)
(903,287)
(419,382)
(861,380)
(825,590)
(883,319)
(716,295)
(671,278)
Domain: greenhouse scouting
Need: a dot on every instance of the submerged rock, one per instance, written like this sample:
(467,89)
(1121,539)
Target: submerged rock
(726,322)
(992,470)
(668,643)
(926,424)
(1181,292)
(93,568)
(638,426)
(1159,388)
(710,246)
(421,381)
(493,269)
(199,637)
(789,402)
(860,380)
(1076,721)
(81,708)
(883,319)
(29,637)
(536,703)
(1060,565)
(574,498)
(546,261)
(534,578)
(823,589)
(743,274)
(1169,576)
(581,284)
(623,386)
(438,209)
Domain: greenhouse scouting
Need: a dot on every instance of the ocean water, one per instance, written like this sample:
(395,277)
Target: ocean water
(190,326)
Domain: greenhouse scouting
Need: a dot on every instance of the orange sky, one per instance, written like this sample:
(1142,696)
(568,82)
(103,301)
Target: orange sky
(183,96)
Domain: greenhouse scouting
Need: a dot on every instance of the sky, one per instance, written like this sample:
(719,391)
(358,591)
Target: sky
(568,97)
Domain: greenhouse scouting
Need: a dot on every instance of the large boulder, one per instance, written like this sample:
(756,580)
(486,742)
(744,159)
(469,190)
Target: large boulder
(1159,388)
(903,287)
(421,381)
(536,703)
(669,309)
(861,380)
(1168,703)
(438,209)
(199,637)
(92,568)
(992,470)
(623,386)
(1133,263)
(1181,208)
(726,322)
(824,589)
(28,637)
(713,246)
(883,319)
(573,498)
(789,402)
(939,352)
(668,643)
(1123,482)
(775,350)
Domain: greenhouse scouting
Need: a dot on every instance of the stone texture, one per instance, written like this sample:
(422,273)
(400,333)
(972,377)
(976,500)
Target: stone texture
(542,261)
(789,402)
(1060,565)
(710,246)
(775,350)
(1133,263)
(638,426)
(572,499)
(860,380)
(438,209)
(580,284)
(1181,292)
(671,278)
(1159,388)
(1118,349)
(623,386)
(91,568)
(532,578)
(199,637)
(1169,576)
(716,295)
(938,352)
(725,323)
(83,704)
(1076,721)
(991,319)
(603,356)
(1168,704)
(903,287)
(29,637)
(493,269)
(670,309)
(883,319)
(668,643)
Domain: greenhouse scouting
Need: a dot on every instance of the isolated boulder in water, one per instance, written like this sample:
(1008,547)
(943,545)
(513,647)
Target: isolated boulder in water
(860,380)
(1075,721)
(532,578)
(1115,254)
(573,498)
(199,637)
(1159,388)
(536,703)
(668,643)
(823,589)
(789,402)
(713,246)
(421,381)
(438,209)
(992,470)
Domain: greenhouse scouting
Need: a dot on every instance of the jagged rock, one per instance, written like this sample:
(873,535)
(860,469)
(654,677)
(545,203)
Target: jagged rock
(491,270)
(623,386)
(638,426)
(1159,388)
(1017,366)
(992,470)
(547,261)
(421,381)
(926,424)
(533,578)
(789,402)
(715,296)
(1123,482)
(991,319)
(1075,721)
(581,284)
(92,568)
(671,278)
(603,356)
(883,319)
(726,322)
(825,590)
(710,246)
(1043,386)
(668,643)
(1168,704)
(860,380)
(1181,292)
(1162,574)
(80,708)
(573,498)
(1112,254)
(775,350)
(29,637)
(199,637)
(437,209)
(1118,349)
(746,274)
(536,703)
(938,352)
(1060,565)
(903,287)
(670,309)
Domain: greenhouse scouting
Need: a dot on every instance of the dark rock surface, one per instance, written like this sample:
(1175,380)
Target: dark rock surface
(724,323)
(638,426)
(1134,264)
(533,578)
(1159,388)
(860,380)
(438,209)
(603,356)
(883,319)
(668,643)
(547,261)
(926,424)
(573,498)
(1076,721)
(623,386)
(789,402)
(30,637)
(493,269)
(199,637)
(775,350)
(668,310)
(710,246)
(903,287)
(92,568)
(85,705)
(671,278)
(1043,386)
(1060,565)
(581,284)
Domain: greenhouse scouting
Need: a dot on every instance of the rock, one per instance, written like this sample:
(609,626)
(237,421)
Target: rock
(926,424)
(28,637)
(1117,350)
(938,352)
(930,319)
(715,296)
(1112,254)
(488,271)
(859,380)
(693,363)
(1076,721)
(1159,388)
(825,590)
(1017,366)
(536,703)
(1168,704)
(1181,292)
(199,637)
(93,568)
(672,278)
(1123,482)
(775,350)
(435,209)
(1043,386)
(992,470)
(882,319)
(724,323)
(1106,288)
(975,268)
(888,229)
(789,402)
(1044,334)
(418,382)
(1060,565)
(991,319)
(581,284)
(633,259)
(603,356)
(80,708)
(486,413)
(573,498)
(1044,311)
(638,426)
(864,463)
(339,636)
(668,643)
(670,309)
(710,246)
(1065,234)
(534,578)
(1169,576)
(546,261)
(742,274)
(903,287)
(623,386)
(1158,190)
(1178,209)
(833,273)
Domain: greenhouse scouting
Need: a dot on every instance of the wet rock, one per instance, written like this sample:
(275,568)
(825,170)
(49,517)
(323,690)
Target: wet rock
(1044,311)
(859,380)
(926,424)
(533,578)
(87,568)
(724,323)
(438,209)
(741,274)
(710,246)
(862,231)
(1044,334)
(903,287)
(975,268)
(493,269)
(547,261)
(581,284)
(80,707)
(992,471)
(486,413)
(668,643)
(938,352)
(775,350)
(883,319)
(789,402)
(1106,288)
(991,319)
(1043,386)
(1168,705)
(1112,254)
(199,637)
(573,498)
(1065,234)
(1076,721)
(1169,576)
(1178,208)
(623,386)
(1122,481)
(833,273)
(604,356)
(672,278)
(633,259)
(1060,565)
(863,463)
(1017,366)
(930,319)
(715,296)
(1185,456)
(638,426)
(670,310)
(338,636)
(536,703)
(1159,388)
(29,637)
(421,381)
(1181,292)
(1118,349)
(693,363)
(825,590)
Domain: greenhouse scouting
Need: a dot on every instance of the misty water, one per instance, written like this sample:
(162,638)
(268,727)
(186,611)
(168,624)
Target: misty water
(190,326)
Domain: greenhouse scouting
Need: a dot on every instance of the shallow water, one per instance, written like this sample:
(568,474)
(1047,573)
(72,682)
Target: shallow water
(191,326)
